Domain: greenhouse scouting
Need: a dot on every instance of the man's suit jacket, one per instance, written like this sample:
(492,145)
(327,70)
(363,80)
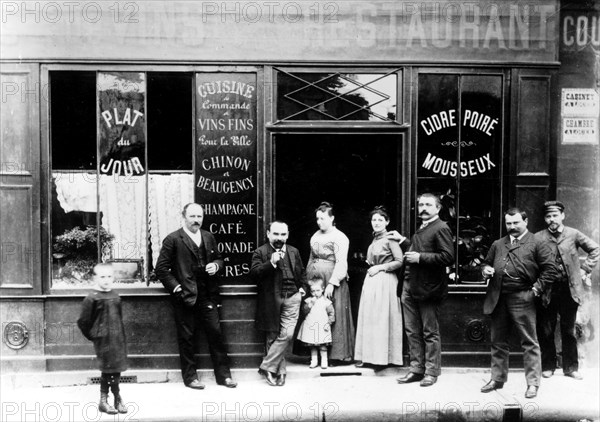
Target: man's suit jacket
(428,280)
(567,244)
(178,264)
(534,265)
(269,283)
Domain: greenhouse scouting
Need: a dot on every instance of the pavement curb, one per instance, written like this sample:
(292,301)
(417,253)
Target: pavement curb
(368,396)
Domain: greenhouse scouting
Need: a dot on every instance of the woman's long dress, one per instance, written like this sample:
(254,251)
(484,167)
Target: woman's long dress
(329,262)
(379,332)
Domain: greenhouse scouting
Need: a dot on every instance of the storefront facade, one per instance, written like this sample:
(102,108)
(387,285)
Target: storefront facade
(115,117)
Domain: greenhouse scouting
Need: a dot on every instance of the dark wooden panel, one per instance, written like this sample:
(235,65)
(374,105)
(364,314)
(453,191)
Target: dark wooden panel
(533,131)
(465,331)
(149,327)
(29,312)
(151,335)
(238,307)
(15,145)
(462,324)
(20,180)
(531,199)
(532,172)
(19,252)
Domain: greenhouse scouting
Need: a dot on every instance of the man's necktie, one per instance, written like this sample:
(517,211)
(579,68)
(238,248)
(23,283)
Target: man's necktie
(514,241)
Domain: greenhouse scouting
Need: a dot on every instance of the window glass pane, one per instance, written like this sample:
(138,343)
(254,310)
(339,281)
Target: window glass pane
(479,198)
(438,131)
(73,122)
(123,214)
(459,146)
(74,232)
(437,134)
(74,229)
(336,96)
(170,123)
(123,177)
(170,152)
(167,194)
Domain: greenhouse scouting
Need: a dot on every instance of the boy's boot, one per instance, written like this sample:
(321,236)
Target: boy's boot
(119,405)
(104,407)
(313,358)
(114,387)
(324,362)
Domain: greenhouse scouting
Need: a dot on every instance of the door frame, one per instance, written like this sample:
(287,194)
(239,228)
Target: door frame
(266,149)
(268,182)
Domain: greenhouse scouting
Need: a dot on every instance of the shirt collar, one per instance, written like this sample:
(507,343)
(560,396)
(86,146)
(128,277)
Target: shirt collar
(196,237)
(520,237)
(559,230)
(428,222)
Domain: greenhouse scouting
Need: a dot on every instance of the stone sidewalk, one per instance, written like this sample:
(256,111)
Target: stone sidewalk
(337,394)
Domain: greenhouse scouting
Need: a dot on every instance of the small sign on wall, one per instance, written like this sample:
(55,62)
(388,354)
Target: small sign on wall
(579,112)
(579,130)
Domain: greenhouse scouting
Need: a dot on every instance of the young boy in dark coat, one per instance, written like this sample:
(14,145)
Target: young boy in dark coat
(101,321)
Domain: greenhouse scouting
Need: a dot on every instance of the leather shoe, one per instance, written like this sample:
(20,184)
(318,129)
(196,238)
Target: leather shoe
(281,380)
(491,386)
(428,381)
(547,374)
(269,377)
(229,383)
(531,392)
(575,375)
(196,385)
(410,377)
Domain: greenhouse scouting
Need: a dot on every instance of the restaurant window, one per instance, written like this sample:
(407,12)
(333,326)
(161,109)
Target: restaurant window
(119,180)
(459,138)
(336,96)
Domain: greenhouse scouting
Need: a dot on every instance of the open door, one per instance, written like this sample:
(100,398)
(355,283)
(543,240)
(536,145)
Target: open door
(353,172)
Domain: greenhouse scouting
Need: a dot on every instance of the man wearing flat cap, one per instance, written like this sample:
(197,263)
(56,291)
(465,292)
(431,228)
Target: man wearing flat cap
(567,291)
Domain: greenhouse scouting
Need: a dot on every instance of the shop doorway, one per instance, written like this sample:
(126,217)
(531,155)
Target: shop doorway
(353,172)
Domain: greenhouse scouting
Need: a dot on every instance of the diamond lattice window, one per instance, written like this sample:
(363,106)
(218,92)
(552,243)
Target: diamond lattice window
(336,96)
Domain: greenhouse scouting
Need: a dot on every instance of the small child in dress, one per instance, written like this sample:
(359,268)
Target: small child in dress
(315,330)
(101,321)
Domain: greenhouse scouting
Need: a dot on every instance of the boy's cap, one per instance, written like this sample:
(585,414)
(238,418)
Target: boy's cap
(550,206)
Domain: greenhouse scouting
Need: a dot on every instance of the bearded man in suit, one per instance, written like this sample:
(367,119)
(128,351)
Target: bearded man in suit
(281,282)
(187,266)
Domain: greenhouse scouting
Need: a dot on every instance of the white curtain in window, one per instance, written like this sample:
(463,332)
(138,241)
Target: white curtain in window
(168,194)
(76,191)
(123,207)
